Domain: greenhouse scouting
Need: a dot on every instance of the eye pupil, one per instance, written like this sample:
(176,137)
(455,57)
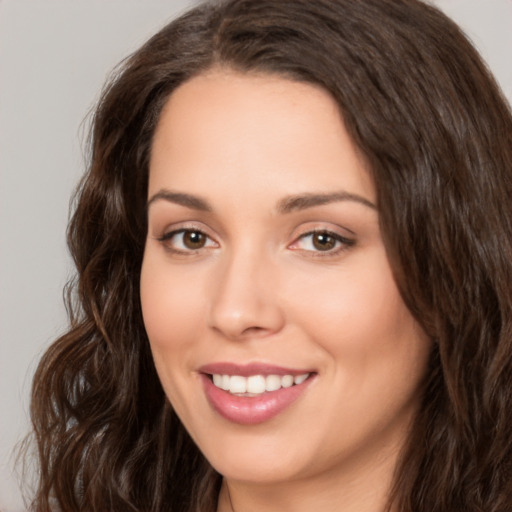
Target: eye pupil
(194,239)
(323,241)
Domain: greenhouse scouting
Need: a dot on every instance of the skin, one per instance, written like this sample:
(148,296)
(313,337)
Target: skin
(260,290)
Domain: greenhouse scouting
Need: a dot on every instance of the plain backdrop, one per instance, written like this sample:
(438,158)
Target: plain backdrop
(54,58)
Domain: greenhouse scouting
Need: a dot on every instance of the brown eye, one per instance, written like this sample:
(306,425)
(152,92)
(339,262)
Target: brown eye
(323,241)
(194,239)
(327,242)
(186,241)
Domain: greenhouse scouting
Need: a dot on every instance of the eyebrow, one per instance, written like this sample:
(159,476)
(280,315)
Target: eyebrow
(187,200)
(286,205)
(304,201)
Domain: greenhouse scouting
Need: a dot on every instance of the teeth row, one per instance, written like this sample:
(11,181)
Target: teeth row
(256,384)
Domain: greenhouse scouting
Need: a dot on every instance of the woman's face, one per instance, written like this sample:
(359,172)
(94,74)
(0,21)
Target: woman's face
(276,327)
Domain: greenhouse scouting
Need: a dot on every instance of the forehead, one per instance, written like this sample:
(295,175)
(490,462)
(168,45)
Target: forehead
(251,131)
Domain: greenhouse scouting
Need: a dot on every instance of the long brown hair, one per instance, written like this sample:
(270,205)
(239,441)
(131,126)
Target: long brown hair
(437,134)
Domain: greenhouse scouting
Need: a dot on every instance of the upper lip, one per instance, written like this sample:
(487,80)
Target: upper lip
(246,370)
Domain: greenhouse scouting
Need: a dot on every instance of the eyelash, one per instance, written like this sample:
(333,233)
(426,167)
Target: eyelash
(166,239)
(342,242)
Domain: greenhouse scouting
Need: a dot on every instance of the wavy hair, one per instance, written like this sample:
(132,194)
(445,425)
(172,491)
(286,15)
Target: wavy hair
(437,134)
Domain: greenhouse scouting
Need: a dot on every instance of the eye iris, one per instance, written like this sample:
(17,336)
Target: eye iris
(194,239)
(323,241)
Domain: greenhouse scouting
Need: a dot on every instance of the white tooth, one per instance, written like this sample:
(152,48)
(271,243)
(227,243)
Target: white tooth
(237,384)
(287,381)
(299,379)
(272,382)
(217,380)
(256,384)
(225,383)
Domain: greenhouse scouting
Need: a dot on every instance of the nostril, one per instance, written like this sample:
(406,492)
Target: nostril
(254,330)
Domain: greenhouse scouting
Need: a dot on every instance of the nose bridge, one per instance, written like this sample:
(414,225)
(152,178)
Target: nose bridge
(243,301)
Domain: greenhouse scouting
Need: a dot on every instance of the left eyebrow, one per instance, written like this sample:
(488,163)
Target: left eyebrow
(309,200)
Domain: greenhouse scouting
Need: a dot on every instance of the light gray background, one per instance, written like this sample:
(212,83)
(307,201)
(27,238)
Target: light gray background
(54,57)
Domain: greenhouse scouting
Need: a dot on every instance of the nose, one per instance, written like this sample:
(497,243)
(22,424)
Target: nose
(244,300)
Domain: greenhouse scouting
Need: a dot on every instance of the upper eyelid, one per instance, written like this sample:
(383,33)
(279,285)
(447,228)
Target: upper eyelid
(182,226)
(322,230)
(166,240)
(322,227)
(334,234)
(174,231)
(312,227)
(170,233)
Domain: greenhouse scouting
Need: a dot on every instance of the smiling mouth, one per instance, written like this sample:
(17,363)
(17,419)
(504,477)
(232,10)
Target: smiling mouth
(253,393)
(256,385)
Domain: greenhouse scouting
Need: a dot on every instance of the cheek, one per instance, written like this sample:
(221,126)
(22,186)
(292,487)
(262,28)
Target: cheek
(351,300)
(356,314)
(171,304)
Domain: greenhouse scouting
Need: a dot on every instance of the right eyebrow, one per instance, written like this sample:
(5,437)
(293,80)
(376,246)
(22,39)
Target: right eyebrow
(187,200)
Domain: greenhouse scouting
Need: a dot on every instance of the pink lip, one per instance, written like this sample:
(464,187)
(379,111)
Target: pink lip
(246,410)
(246,370)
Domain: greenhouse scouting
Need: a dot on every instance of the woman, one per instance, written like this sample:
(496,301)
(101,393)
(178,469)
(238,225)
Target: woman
(293,249)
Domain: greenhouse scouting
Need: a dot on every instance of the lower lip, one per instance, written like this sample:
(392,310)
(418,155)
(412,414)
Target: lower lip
(247,410)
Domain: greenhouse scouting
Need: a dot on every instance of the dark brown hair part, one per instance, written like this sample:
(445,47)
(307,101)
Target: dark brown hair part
(437,135)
